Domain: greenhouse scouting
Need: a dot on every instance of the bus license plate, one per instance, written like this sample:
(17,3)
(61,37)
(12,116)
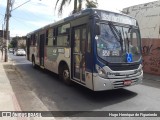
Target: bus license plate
(127,82)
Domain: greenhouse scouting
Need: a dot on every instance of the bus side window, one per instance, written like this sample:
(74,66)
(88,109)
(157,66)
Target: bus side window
(77,41)
(62,40)
(83,40)
(33,39)
(54,36)
(28,41)
(46,37)
(50,37)
(89,42)
(63,35)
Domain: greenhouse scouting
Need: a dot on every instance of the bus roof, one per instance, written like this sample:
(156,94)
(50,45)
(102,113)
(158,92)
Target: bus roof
(87,11)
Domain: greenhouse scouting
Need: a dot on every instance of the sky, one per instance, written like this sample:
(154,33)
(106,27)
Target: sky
(38,13)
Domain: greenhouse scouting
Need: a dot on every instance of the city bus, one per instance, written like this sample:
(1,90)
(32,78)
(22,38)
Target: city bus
(98,49)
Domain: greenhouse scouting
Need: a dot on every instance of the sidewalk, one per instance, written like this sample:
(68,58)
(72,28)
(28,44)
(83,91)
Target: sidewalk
(8,101)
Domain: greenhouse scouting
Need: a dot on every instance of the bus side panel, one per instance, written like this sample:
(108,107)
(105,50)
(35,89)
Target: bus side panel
(50,59)
(36,54)
(54,56)
(64,55)
(33,51)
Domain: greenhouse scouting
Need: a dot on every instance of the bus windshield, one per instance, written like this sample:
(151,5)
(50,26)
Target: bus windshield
(116,40)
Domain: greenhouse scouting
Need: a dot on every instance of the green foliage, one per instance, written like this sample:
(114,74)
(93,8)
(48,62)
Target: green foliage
(91,4)
(19,38)
(77,5)
(14,42)
(10,46)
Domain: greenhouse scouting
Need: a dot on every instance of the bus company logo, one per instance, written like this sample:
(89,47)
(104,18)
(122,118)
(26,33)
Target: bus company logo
(115,74)
(54,50)
(6,114)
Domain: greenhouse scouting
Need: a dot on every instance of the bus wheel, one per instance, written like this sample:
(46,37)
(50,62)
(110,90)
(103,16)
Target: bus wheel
(65,75)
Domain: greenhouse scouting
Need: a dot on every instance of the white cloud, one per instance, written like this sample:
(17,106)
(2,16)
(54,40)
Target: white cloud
(36,7)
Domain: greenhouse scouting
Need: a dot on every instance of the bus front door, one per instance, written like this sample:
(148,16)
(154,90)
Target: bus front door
(41,50)
(78,53)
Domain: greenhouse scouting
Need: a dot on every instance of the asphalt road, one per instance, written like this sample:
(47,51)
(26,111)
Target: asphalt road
(39,90)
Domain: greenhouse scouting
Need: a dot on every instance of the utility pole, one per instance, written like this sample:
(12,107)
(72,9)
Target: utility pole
(7,16)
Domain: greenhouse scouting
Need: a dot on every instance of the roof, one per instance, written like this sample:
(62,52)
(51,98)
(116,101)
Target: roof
(76,15)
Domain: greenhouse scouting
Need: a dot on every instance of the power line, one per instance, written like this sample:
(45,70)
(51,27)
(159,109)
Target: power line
(19,21)
(20,5)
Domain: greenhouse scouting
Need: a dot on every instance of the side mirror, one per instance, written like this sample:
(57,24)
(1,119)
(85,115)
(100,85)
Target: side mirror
(97,29)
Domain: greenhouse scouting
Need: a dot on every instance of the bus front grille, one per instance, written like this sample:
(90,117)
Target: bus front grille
(120,68)
(120,84)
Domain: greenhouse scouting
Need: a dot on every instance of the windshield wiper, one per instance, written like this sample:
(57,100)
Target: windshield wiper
(127,40)
(117,34)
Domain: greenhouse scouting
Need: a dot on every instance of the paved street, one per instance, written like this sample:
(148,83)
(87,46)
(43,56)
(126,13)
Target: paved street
(39,90)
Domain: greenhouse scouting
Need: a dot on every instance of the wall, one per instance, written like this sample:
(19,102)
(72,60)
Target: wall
(21,41)
(151,55)
(148,17)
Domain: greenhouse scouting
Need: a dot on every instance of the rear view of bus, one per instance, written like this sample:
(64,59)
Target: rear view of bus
(117,51)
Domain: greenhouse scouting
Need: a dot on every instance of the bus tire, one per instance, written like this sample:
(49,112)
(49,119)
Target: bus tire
(33,62)
(65,75)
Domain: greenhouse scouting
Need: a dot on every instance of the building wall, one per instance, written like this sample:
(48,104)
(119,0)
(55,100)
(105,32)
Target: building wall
(148,17)
(151,56)
(20,42)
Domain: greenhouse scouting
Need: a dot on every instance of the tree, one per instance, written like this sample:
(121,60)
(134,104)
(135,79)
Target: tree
(18,42)
(2,46)
(14,42)
(77,5)
(10,45)
(91,4)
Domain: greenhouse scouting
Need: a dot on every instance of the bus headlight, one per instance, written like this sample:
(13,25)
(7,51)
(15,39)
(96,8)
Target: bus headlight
(101,72)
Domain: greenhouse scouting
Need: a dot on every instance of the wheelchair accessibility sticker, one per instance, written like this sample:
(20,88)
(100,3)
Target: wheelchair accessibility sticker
(129,57)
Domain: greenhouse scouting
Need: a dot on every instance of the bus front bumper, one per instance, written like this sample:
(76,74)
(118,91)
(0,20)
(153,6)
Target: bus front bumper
(101,84)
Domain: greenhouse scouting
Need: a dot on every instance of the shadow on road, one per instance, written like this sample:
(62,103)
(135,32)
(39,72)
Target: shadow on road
(55,95)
